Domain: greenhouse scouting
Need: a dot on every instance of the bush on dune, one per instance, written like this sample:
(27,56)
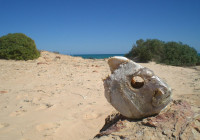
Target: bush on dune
(145,51)
(18,46)
(170,53)
(179,54)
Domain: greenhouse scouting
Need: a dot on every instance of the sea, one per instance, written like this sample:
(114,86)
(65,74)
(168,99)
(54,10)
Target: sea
(97,56)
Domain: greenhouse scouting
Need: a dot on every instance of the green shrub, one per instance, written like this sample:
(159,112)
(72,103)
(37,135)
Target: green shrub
(18,46)
(56,52)
(170,53)
(198,63)
(179,54)
(145,51)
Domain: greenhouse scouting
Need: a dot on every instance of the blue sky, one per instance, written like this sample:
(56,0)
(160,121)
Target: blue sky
(101,26)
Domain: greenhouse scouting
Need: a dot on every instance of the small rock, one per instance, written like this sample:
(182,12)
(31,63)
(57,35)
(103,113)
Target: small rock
(3,92)
(39,63)
(58,57)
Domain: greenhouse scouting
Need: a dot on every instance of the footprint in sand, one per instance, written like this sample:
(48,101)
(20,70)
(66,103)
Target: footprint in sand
(47,128)
(91,116)
(44,106)
(2,125)
(18,112)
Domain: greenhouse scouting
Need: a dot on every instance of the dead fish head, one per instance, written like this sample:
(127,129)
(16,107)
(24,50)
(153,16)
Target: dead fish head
(135,91)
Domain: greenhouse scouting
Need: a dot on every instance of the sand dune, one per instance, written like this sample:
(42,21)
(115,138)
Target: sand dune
(62,97)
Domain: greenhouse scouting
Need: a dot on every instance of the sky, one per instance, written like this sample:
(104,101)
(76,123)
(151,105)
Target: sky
(101,26)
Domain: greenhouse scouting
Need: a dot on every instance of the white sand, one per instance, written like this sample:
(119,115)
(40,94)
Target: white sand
(61,97)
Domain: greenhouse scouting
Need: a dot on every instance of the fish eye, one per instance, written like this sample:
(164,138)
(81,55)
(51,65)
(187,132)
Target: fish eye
(137,82)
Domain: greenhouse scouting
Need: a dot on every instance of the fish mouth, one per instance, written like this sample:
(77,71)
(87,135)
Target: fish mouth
(161,98)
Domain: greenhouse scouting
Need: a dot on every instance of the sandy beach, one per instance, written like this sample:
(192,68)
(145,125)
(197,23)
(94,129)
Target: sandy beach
(60,97)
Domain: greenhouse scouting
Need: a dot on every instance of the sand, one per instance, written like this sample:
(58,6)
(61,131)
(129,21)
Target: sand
(59,97)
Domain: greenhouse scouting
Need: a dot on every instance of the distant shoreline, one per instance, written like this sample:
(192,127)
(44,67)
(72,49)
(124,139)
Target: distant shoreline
(93,56)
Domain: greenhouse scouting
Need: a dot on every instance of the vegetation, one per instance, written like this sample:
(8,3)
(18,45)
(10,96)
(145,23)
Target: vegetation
(56,52)
(170,53)
(18,46)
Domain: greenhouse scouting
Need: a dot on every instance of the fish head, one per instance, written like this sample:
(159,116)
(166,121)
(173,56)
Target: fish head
(135,91)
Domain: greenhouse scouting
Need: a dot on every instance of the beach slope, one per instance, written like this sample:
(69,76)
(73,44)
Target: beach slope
(62,97)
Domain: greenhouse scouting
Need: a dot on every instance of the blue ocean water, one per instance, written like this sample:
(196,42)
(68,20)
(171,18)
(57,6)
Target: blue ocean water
(97,56)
